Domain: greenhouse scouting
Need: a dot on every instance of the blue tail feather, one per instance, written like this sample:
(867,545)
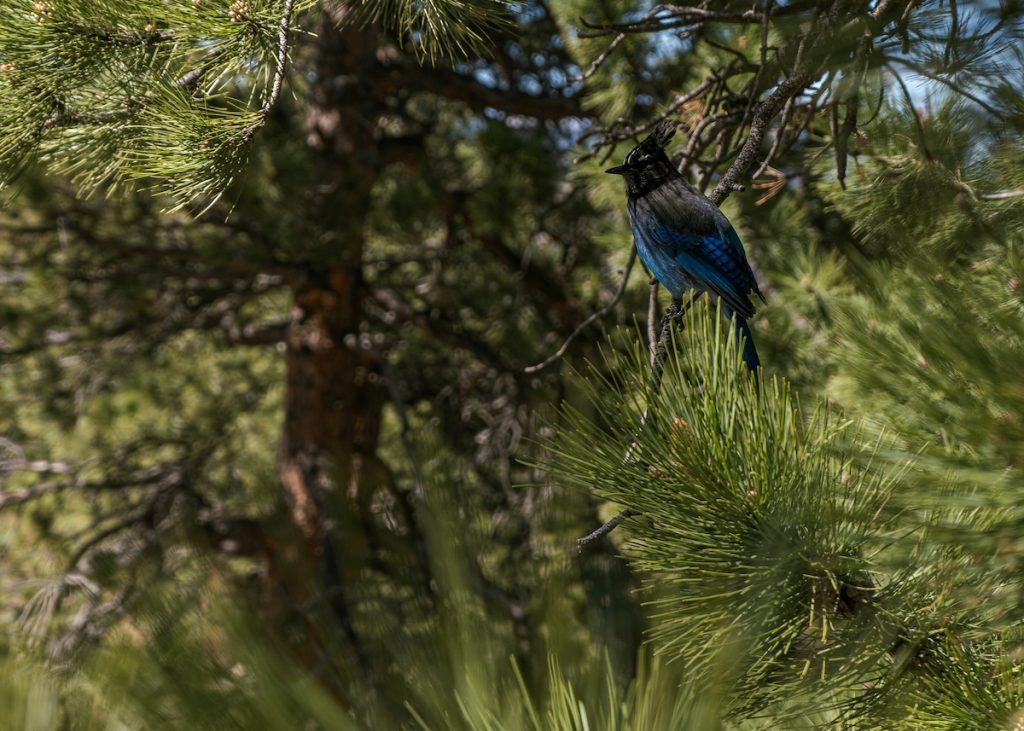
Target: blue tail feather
(749,350)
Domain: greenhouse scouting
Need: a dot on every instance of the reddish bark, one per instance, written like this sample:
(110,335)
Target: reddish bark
(329,469)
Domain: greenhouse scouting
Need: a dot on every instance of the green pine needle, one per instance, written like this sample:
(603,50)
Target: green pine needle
(442,28)
(753,525)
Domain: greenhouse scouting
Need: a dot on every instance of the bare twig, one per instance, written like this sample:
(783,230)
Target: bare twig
(457,336)
(921,138)
(755,87)
(38,466)
(599,61)
(583,325)
(659,350)
(283,27)
(666,17)
(777,142)
(997,196)
(605,529)
(26,494)
(698,139)
(661,346)
(652,313)
(128,521)
(612,135)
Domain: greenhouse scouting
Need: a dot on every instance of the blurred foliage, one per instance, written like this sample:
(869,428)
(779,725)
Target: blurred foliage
(456,28)
(836,547)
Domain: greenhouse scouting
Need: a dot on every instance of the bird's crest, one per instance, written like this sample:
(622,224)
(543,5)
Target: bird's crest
(648,159)
(662,134)
(653,144)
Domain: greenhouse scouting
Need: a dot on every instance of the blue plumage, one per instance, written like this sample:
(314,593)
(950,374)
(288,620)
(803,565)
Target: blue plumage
(685,241)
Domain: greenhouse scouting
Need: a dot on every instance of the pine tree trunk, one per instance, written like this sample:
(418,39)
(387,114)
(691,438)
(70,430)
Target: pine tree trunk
(329,469)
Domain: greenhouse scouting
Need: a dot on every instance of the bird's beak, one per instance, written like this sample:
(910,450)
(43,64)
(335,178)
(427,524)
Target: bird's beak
(618,170)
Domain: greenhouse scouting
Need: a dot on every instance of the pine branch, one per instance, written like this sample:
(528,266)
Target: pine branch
(441,28)
(283,28)
(953,85)
(753,519)
(450,84)
(667,17)
(605,529)
(27,494)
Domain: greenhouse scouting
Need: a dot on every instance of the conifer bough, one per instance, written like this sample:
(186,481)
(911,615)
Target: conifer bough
(167,94)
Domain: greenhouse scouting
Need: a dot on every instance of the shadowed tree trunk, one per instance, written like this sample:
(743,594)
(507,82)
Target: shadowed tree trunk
(329,468)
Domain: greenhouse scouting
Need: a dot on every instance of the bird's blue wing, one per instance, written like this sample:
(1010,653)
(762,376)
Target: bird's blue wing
(733,238)
(660,259)
(686,242)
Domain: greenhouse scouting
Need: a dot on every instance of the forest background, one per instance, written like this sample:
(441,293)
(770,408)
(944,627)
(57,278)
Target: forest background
(322,344)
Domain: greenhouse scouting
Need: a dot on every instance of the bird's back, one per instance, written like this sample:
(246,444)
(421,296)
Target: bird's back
(687,242)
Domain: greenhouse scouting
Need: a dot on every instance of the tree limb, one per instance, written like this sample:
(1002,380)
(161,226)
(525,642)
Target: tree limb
(406,76)
(762,118)
(282,58)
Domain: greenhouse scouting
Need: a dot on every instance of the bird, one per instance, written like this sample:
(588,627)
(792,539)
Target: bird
(683,238)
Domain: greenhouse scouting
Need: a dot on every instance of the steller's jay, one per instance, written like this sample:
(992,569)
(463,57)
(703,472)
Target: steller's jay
(685,241)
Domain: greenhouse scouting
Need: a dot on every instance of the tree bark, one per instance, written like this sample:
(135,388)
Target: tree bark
(329,468)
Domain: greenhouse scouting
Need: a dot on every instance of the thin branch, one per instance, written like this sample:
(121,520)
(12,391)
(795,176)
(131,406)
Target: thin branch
(954,31)
(459,337)
(605,529)
(283,27)
(38,466)
(652,313)
(917,68)
(128,521)
(674,17)
(699,141)
(674,312)
(583,325)
(921,138)
(659,350)
(611,136)
(997,196)
(404,76)
(599,61)
(777,142)
(26,494)
(755,87)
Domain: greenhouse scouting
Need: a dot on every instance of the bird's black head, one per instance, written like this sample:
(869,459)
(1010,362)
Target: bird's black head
(647,166)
